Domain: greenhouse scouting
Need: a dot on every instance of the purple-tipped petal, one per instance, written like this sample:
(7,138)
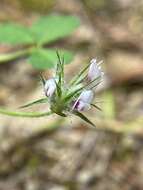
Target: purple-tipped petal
(84,100)
(79,105)
(86,96)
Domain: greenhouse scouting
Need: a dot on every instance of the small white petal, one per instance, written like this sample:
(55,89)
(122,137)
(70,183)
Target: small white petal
(94,70)
(84,100)
(86,96)
(50,87)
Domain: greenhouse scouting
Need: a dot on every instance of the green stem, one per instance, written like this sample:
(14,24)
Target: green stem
(14,55)
(24,114)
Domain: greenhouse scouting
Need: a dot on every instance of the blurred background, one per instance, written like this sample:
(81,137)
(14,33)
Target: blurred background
(67,154)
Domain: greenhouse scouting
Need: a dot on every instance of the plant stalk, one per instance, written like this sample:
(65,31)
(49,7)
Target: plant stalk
(24,114)
(5,57)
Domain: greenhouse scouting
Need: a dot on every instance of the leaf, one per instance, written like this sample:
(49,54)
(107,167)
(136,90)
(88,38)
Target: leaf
(46,58)
(83,117)
(42,100)
(53,27)
(11,33)
(40,59)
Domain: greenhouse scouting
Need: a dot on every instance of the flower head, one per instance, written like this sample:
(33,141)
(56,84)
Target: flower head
(74,97)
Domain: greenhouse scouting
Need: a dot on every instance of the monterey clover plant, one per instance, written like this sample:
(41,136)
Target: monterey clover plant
(67,98)
(35,42)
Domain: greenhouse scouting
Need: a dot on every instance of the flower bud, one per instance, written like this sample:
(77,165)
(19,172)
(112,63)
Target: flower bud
(50,87)
(84,101)
(94,70)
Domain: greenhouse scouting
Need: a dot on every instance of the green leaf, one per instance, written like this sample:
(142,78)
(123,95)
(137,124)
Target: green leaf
(11,33)
(83,117)
(42,100)
(53,27)
(47,58)
(40,59)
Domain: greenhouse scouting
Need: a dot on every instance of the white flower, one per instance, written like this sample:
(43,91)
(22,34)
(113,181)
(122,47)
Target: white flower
(50,87)
(84,100)
(95,70)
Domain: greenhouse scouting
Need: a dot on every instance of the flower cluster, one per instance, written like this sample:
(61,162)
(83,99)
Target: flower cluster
(77,96)
(67,98)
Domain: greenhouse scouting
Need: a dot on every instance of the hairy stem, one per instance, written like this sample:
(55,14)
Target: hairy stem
(24,114)
(14,55)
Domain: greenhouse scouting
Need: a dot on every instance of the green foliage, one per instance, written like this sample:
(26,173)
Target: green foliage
(11,33)
(45,30)
(53,27)
(46,58)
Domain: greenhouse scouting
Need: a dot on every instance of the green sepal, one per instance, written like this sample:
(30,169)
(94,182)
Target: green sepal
(92,82)
(58,89)
(83,117)
(61,114)
(95,106)
(39,101)
(60,71)
(80,76)
(73,92)
(42,79)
